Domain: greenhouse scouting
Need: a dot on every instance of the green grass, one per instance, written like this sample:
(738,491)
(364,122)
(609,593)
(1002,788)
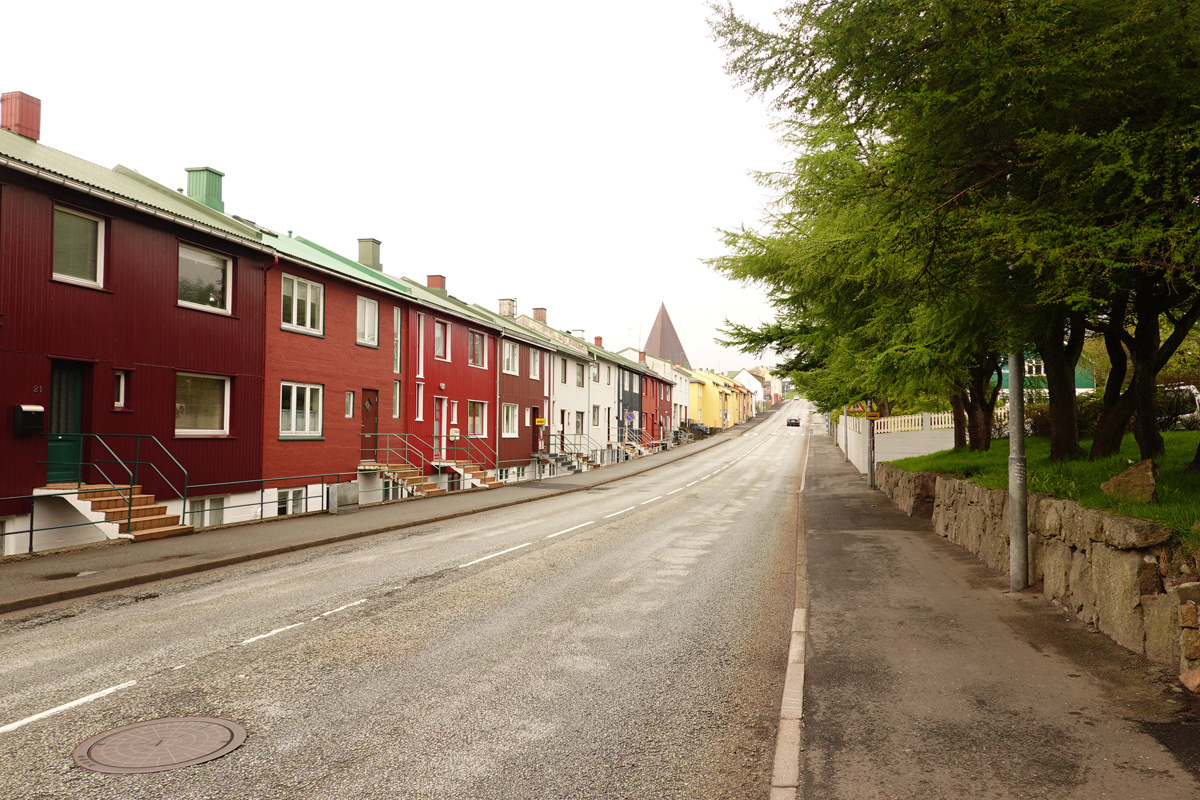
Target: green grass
(1078,479)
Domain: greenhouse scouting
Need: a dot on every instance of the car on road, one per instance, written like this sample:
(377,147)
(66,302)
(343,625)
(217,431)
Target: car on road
(793,422)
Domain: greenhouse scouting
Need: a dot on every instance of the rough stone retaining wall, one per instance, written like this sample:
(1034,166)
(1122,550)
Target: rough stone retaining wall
(1122,575)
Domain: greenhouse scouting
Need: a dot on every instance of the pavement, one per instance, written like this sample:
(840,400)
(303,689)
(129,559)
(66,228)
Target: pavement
(27,581)
(924,677)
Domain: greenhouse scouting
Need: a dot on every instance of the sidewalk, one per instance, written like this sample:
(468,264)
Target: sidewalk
(925,678)
(28,581)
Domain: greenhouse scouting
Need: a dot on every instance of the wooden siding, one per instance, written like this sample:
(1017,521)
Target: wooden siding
(526,393)
(132,323)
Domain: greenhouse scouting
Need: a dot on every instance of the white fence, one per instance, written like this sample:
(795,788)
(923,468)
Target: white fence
(895,437)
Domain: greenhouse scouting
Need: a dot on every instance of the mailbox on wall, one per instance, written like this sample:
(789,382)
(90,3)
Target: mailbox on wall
(28,420)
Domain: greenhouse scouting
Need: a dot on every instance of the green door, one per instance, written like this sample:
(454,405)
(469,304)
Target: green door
(65,450)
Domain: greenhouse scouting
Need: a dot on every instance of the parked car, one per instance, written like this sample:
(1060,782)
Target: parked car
(699,430)
(793,422)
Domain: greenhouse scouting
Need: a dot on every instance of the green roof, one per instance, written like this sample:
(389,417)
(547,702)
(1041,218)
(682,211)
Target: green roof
(121,184)
(324,258)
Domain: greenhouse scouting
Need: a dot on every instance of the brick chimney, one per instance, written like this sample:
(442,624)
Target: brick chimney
(641,356)
(21,114)
(204,185)
(436,282)
(368,254)
(508,307)
(539,314)
(599,341)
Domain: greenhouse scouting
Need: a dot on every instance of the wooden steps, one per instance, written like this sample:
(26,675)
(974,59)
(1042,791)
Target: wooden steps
(134,513)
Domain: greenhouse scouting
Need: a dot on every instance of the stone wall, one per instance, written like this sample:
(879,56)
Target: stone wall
(1120,574)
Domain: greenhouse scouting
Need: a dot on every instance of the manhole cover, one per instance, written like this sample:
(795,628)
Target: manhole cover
(160,745)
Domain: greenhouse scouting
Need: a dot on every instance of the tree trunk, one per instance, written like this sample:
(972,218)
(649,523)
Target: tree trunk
(958,405)
(1116,411)
(980,405)
(1060,353)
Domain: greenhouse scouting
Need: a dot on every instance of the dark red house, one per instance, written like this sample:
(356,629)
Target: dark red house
(132,316)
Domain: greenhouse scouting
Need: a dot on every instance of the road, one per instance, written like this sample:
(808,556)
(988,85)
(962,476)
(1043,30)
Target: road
(625,642)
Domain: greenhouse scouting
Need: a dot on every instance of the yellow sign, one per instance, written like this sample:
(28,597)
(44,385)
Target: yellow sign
(539,421)
(872,415)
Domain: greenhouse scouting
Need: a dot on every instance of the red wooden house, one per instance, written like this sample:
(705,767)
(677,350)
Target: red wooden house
(130,313)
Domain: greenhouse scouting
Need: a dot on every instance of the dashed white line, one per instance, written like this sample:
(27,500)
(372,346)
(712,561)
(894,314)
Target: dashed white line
(568,530)
(680,489)
(622,511)
(652,499)
(12,726)
(343,608)
(272,633)
(493,555)
(693,483)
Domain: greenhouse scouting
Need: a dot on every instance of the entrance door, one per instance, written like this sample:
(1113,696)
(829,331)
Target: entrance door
(64,453)
(439,428)
(536,430)
(369,427)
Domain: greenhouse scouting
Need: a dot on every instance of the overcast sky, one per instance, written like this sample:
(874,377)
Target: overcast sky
(576,156)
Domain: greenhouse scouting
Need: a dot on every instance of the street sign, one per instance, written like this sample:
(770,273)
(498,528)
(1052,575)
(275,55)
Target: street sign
(630,416)
(539,421)
(872,415)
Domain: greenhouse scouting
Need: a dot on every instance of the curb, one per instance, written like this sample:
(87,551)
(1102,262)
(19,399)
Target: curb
(203,566)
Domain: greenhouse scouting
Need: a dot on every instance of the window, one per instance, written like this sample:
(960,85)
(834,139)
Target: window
(512,358)
(418,414)
(441,340)
(300,409)
(563,377)
(595,416)
(579,374)
(535,364)
(595,373)
(205,511)
(203,280)
(392,489)
(120,388)
(349,405)
(477,349)
(578,422)
(397,350)
(368,322)
(303,305)
(201,405)
(476,418)
(453,412)
(608,372)
(510,420)
(78,247)
(292,501)
(528,417)
(420,345)
(395,399)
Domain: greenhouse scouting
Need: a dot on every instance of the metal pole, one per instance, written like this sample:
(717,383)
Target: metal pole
(1018,496)
(870,453)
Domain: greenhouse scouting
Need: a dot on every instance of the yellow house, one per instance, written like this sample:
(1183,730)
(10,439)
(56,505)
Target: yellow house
(713,400)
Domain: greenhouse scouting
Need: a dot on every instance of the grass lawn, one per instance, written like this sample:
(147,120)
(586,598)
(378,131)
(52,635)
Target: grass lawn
(1078,479)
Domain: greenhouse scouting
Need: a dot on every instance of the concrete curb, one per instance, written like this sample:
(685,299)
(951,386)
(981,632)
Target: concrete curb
(100,587)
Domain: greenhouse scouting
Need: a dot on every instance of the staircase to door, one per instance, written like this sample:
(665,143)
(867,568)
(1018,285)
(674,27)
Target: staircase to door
(117,510)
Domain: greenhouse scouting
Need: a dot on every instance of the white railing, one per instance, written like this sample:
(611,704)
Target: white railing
(908,422)
(941,421)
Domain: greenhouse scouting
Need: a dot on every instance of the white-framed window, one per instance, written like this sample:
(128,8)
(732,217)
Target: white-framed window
(578,422)
(392,489)
(477,349)
(120,388)
(204,280)
(368,322)
(303,305)
(78,247)
(300,409)
(578,374)
(201,405)
(395,399)
(453,412)
(512,358)
(608,372)
(420,345)
(441,340)
(509,420)
(562,378)
(292,501)
(535,364)
(419,402)
(595,372)
(476,418)
(350,405)
(595,416)
(528,417)
(206,511)
(397,346)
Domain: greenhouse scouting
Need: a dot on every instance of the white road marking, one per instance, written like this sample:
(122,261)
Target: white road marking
(680,489)
(493,555)
(12,726)
(622,511)
(343,608)
(693,483)
(652,499)
(272,633)
(568,530)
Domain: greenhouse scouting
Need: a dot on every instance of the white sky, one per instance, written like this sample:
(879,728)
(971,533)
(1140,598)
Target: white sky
(577,156)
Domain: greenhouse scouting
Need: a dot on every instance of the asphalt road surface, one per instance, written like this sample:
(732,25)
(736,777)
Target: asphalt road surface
(625,642)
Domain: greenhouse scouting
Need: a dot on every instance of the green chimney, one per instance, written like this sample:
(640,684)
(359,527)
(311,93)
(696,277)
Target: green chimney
(204,185)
